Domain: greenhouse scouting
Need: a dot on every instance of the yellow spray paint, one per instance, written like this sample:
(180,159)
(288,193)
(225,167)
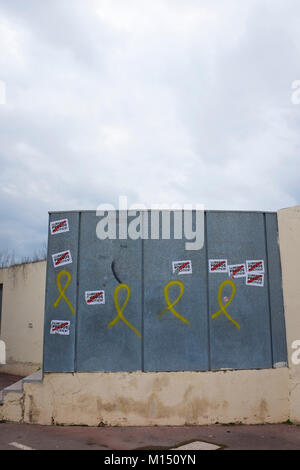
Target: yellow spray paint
(120,310)
(223,309)
(62,291)
(171,305)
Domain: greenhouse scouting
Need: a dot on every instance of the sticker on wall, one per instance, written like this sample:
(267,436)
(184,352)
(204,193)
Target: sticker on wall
(254,279)
(218,266)
(95,297)
(59,226)
(236,271)
(182,267)
(62,258)
(60,327)
(255,266)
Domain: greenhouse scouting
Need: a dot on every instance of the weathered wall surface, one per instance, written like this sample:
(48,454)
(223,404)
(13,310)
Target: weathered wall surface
(178,398)
(194,334)
(22,307)
(289,240)
(12,409)
(163,398)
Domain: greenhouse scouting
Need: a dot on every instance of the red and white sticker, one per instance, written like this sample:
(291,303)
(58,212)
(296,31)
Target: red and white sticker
(60,327)
(182,267)
(218,266)
(62,258)
(59,226)
(255,279)
(94,297)
(255,266)
(236,271)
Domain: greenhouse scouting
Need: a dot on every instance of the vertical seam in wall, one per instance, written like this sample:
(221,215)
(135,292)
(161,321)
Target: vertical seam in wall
(207,291)
(268,283)
(145,214)
(77,289)
(142,300)
(281,286)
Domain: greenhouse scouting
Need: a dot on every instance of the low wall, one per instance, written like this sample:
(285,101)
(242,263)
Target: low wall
(289,241)
(22,322)
(163,398)
(180,398)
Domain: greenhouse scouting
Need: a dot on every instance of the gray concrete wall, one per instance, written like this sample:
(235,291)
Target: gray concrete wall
(176,398)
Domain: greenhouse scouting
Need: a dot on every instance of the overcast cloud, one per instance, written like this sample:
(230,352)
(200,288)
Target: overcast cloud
(163,101)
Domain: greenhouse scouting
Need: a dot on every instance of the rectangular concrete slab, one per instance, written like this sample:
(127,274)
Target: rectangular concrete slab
(61,294)
(279,348)
(242,341)
(176,337)
(108,340)
(162,308)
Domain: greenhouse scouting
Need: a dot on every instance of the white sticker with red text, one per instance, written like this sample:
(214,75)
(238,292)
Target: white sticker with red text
(255,279)
(182,267)
(62,258)
(218,266)
(255,266)
(236,271)
(60,327)
(59,226)
(95,297)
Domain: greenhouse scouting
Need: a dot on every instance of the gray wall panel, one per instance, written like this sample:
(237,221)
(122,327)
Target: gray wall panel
(238,237)
(276,295)
(59,350)
(99,347)
(153,342)
(169,343)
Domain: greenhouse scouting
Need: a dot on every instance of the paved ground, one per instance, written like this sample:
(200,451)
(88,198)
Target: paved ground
(254,437)
(269,437)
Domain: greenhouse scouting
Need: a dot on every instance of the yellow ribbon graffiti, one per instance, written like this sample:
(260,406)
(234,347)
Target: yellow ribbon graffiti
(171,305)
(62,291)
(120,310)
(222,309)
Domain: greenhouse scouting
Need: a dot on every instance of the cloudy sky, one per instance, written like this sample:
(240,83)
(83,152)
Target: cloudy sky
(163,101)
